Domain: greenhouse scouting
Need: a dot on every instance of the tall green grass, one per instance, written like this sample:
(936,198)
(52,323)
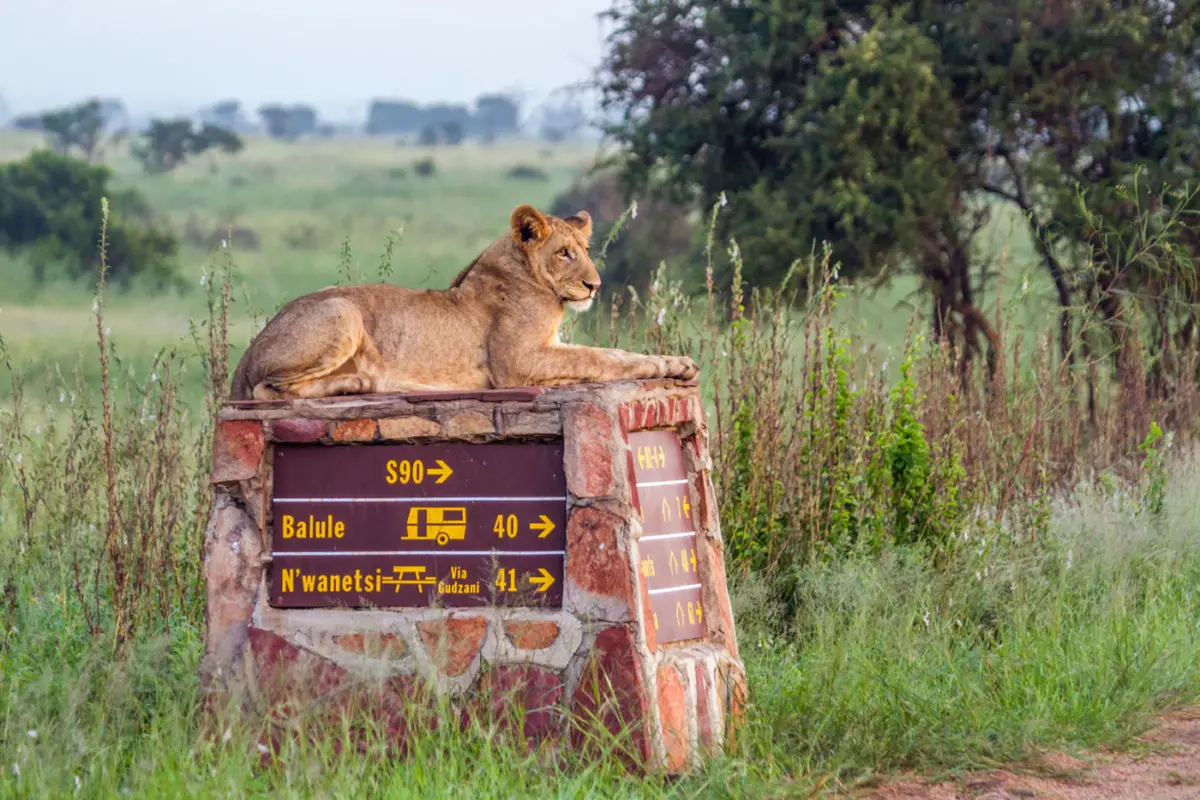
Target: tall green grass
(928,573)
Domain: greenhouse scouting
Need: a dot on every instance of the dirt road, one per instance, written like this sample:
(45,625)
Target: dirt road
(1165,765)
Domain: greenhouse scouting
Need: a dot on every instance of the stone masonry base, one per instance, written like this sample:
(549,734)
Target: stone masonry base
(594,662)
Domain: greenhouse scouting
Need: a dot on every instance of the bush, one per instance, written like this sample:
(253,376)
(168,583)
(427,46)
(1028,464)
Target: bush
(528,172)
(51,206)
(425,168)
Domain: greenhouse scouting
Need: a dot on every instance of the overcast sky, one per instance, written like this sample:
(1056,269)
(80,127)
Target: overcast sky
(162,56)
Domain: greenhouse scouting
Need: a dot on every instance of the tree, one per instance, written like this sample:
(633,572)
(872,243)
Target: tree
(169,143)
(79,126)
(50,206)
(561,119)
(497,115)
(879,127)
(453,132)
(389,117)
(288,123)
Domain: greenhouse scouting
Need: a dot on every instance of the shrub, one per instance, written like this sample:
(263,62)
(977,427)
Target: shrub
(527,172)
(425,168)
(50,205)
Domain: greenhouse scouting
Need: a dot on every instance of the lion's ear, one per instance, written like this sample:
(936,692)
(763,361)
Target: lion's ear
(528,225)
(581,221)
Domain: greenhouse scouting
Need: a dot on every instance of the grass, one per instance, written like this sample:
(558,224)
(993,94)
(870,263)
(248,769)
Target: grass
(893,664)
(927,579)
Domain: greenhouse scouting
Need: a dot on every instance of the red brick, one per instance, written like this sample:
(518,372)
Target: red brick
(648,617)
(355,430)
(623,418)
(531,635)
(288,677)
(704,720)
(453,643)
(466,424)
(237,450)
(588,451)
(530,423)
(612,697)
(408,428)
(650,420)
(297,430)
(673,714)
(594,561)
(637,416)
(634,497)
(715,596)
(374,645)
(731,692)
(521,699)
(706,508)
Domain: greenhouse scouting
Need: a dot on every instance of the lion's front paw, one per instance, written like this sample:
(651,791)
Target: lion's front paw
(680,367)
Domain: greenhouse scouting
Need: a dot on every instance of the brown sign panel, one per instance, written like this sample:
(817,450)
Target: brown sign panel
(442,580)
(667,548)
(418,525)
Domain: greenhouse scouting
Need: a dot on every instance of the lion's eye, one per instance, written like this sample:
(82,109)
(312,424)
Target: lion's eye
(565,253)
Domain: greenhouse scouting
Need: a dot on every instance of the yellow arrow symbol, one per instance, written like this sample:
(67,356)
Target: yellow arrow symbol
(545,526)
(543,581)
(443,471)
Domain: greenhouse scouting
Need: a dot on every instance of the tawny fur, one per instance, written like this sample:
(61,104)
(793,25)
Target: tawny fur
(496,326)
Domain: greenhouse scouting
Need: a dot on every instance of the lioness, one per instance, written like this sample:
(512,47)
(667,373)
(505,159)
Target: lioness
(496,326)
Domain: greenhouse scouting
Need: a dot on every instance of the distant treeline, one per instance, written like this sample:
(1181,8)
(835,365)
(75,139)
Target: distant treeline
(491,116)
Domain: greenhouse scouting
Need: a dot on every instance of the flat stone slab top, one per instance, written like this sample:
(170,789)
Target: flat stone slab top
(558,548)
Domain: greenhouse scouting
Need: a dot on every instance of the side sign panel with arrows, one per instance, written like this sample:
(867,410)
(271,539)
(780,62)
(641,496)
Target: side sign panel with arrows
(418,525)
(667,562)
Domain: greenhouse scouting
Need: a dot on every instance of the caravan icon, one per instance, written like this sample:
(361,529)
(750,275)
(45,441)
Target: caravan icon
(439,523)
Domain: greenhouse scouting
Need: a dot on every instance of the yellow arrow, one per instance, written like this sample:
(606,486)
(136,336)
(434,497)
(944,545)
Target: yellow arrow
(543,581)
(545,526)
(443,471)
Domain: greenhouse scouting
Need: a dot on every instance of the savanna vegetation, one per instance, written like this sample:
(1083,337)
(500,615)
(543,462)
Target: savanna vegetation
(934,259)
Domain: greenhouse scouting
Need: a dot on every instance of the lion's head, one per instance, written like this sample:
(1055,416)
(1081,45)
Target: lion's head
(557,251)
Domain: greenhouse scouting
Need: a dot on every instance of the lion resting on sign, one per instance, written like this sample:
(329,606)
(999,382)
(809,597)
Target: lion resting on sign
(496,326)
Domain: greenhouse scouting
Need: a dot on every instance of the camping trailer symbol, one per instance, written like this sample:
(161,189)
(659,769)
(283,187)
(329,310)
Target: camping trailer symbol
(439,523)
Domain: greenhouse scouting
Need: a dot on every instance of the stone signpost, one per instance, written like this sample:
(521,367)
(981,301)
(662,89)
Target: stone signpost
(560,546)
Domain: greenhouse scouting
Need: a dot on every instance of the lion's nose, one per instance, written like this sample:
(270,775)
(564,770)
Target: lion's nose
(592,287)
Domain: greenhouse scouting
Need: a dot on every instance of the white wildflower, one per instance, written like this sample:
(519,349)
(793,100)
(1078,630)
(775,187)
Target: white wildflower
(19,458)
(16,770)
(62,397)
(1070,558)
(1024,286)
(204,279)
(925,619)
(262,748)
(662,313)
(978,577)
(32,734)
(78,783)
(633,210)
(154,377)
(1012,587)
(92,527)
(227,735)
(724,200)
(108,331)
(224,245)
(884,365)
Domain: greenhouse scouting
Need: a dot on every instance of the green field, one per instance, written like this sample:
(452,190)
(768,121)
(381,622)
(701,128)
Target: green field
(310,203)
(1064,623)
